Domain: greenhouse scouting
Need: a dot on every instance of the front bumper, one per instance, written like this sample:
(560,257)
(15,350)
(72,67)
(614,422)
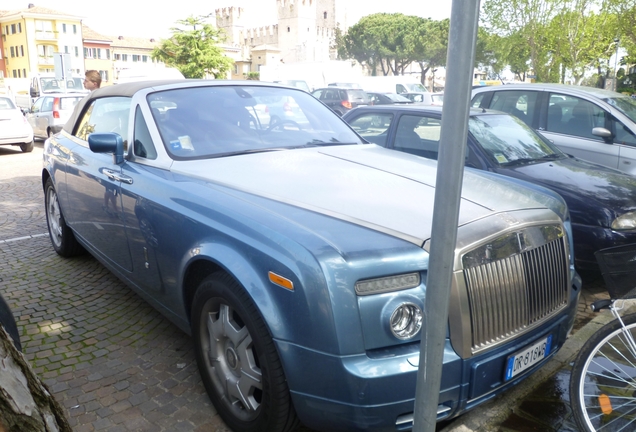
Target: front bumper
(375,390)
(589,239)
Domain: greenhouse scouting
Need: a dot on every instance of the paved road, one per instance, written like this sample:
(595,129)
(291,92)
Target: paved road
(113,362)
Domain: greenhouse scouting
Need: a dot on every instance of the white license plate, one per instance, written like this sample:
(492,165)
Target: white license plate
(527,357)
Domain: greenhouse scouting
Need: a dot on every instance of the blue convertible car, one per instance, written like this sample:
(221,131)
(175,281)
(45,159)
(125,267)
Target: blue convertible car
(296,255)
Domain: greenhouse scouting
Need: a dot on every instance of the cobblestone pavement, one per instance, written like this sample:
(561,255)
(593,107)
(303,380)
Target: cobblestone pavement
(112,361)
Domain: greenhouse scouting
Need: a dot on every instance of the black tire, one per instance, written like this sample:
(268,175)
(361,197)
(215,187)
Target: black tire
(62,237)
(27,147)
(235,350)
(603,380)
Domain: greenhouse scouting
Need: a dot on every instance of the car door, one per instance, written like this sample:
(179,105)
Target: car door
(625,140)
(33,115)
(570,122)
(45,116)
(94,183)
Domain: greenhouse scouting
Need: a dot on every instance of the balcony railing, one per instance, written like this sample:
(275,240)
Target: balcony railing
(44,35)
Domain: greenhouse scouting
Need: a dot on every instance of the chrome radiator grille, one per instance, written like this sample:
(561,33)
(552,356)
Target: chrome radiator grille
(511,294)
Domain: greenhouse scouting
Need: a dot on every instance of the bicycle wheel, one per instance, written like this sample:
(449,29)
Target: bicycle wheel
(603,380)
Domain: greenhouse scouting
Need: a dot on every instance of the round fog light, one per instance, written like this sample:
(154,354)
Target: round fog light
(406,320)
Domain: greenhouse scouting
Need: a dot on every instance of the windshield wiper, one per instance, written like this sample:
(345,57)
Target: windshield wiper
(544,158)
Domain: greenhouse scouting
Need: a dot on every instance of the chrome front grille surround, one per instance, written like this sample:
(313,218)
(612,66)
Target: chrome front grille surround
(507,285)
(511,294)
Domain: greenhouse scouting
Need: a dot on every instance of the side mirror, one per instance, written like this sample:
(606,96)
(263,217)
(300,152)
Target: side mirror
(602,133)
(107,142)
(33,91)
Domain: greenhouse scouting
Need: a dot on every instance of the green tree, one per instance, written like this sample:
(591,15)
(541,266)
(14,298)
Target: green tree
(380,41)
(527,20)
(428,43)
(194,50)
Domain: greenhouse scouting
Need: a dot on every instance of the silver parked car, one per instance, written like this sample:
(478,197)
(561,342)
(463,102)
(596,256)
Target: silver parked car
(593,124)
(49,113)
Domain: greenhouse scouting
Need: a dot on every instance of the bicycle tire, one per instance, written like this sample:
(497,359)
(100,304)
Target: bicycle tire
(603,380)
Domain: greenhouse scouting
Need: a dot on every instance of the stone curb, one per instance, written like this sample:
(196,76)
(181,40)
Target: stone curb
(487,417)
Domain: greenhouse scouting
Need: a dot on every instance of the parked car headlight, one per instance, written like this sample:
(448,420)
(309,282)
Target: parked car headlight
(406,321)
(625,222)
(387,284)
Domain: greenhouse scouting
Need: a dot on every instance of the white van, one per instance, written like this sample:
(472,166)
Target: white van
(392,84)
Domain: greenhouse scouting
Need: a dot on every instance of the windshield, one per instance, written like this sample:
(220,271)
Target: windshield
(625,104)
(507,140)
(6,104)
(416,88)
(214,121)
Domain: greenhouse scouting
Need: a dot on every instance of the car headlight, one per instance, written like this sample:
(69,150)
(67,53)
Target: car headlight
(406,321)
(387,284)
(625,222)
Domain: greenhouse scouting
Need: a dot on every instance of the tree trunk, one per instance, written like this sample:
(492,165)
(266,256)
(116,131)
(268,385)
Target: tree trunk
(26,405)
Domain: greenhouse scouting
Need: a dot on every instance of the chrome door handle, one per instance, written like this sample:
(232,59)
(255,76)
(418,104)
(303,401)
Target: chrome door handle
(113,175)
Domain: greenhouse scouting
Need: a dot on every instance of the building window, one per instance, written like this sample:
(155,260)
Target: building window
(63,28)
(20,29)
(288,30)
(74,29)
(76,52)
(235,69)
(107,54)
(104,75)
(6,30)
(324,15)
(135,58)
(86,53)
(21,50)
(124,57)
(144,59)
(13,30)
(117,56)
(24,73)
(44,26)
(12,52)
(65,49)
(15,74)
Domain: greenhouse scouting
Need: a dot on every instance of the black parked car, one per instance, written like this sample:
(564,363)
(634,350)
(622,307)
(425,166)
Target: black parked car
(341,100)
(602,200)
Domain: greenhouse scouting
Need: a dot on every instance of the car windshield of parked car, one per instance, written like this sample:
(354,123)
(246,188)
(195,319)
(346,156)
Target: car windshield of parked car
(6,104)
(508,141)
(625,104)
(215,121)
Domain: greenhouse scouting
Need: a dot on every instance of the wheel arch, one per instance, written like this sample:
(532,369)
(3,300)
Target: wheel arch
(239,268)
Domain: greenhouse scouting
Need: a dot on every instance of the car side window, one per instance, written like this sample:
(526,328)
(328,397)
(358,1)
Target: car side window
(142,142)
(476,102)
(37,106)
(47,105)
(418,135)
(573,116)
(518,103)
(399,88)
(318,93)
(108,114)
(623,135)
(373,127)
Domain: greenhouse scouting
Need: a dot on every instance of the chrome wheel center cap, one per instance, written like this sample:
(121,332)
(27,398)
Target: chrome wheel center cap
(231,358)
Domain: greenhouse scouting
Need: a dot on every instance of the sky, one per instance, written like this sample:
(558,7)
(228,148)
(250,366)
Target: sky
(154,19)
